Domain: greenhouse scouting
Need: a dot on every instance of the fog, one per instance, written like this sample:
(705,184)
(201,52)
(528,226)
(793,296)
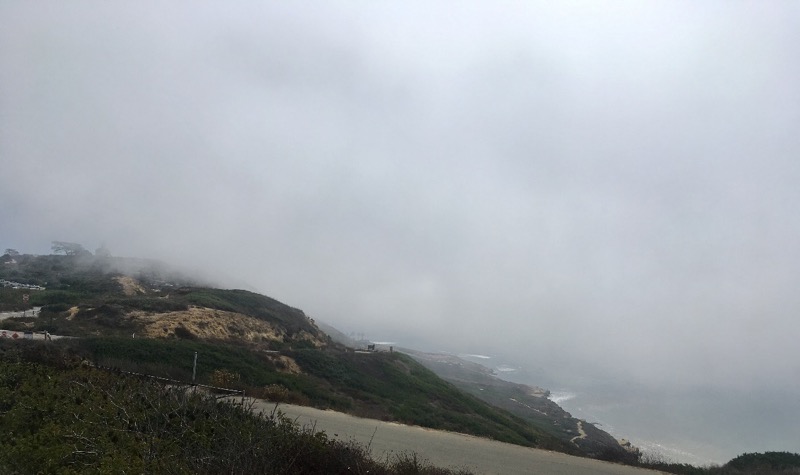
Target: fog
(603,191)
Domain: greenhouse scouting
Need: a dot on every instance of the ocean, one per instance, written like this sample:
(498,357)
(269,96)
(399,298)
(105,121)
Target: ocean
(696,425)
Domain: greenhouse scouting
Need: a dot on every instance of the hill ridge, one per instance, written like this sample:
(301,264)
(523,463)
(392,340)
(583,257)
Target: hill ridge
(153,320)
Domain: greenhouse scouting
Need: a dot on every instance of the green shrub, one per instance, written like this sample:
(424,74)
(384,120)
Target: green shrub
(50,297)
(766,461)
(61,416)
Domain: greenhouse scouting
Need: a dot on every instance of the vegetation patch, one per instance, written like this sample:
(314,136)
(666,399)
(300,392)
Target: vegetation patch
(63,417)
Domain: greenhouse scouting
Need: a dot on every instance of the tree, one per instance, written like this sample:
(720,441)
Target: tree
(68,248)
(12,252)
(102,251)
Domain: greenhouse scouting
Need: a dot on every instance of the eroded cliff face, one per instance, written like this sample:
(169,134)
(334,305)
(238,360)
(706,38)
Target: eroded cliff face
(210,324)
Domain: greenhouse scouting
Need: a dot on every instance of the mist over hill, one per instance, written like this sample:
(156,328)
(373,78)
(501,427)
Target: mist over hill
(143,316)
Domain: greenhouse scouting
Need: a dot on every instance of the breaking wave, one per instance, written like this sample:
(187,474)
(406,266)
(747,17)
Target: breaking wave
(505,369)
(560,396)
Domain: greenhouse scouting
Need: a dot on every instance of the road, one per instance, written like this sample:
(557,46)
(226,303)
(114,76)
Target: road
(34,312)
(23,335)
(447,449)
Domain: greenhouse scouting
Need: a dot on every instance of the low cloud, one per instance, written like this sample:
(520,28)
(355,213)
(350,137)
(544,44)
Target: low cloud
(612,189)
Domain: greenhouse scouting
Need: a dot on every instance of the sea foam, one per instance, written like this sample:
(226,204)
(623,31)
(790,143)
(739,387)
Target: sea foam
(560,396)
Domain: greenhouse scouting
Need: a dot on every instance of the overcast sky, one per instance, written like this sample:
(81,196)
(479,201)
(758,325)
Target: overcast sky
(611,185)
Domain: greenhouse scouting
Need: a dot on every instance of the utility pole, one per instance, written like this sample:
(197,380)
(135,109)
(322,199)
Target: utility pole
(194,367)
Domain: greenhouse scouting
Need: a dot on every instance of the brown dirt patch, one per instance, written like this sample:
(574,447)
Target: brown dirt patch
(130,286)
(72,312)
(207,323)
(304,335)
(287,365)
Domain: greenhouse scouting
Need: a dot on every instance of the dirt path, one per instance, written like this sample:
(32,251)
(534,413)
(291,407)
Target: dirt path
(581,432)
(34,312)
(447,449)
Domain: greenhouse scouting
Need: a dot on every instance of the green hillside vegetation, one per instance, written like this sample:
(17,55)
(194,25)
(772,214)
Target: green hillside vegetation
(84,299)
(766,463)
(386,386)
(89,283)
(61,416)
(777,462)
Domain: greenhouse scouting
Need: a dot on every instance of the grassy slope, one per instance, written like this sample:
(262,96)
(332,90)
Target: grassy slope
(388,386)
(385,386)
(60,416)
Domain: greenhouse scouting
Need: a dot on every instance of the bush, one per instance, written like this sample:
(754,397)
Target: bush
(71,418)
(223,378)
(275,393)
(50,297)
(184,333)
(56,308)
(766,461)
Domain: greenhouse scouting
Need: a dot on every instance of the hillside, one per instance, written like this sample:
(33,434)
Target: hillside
(136,315)
(153,321)
(63,416)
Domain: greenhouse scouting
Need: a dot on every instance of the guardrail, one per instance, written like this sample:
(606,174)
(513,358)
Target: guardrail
(235,392)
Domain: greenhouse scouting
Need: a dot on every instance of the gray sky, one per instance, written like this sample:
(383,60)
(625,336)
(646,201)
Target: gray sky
(606,185)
